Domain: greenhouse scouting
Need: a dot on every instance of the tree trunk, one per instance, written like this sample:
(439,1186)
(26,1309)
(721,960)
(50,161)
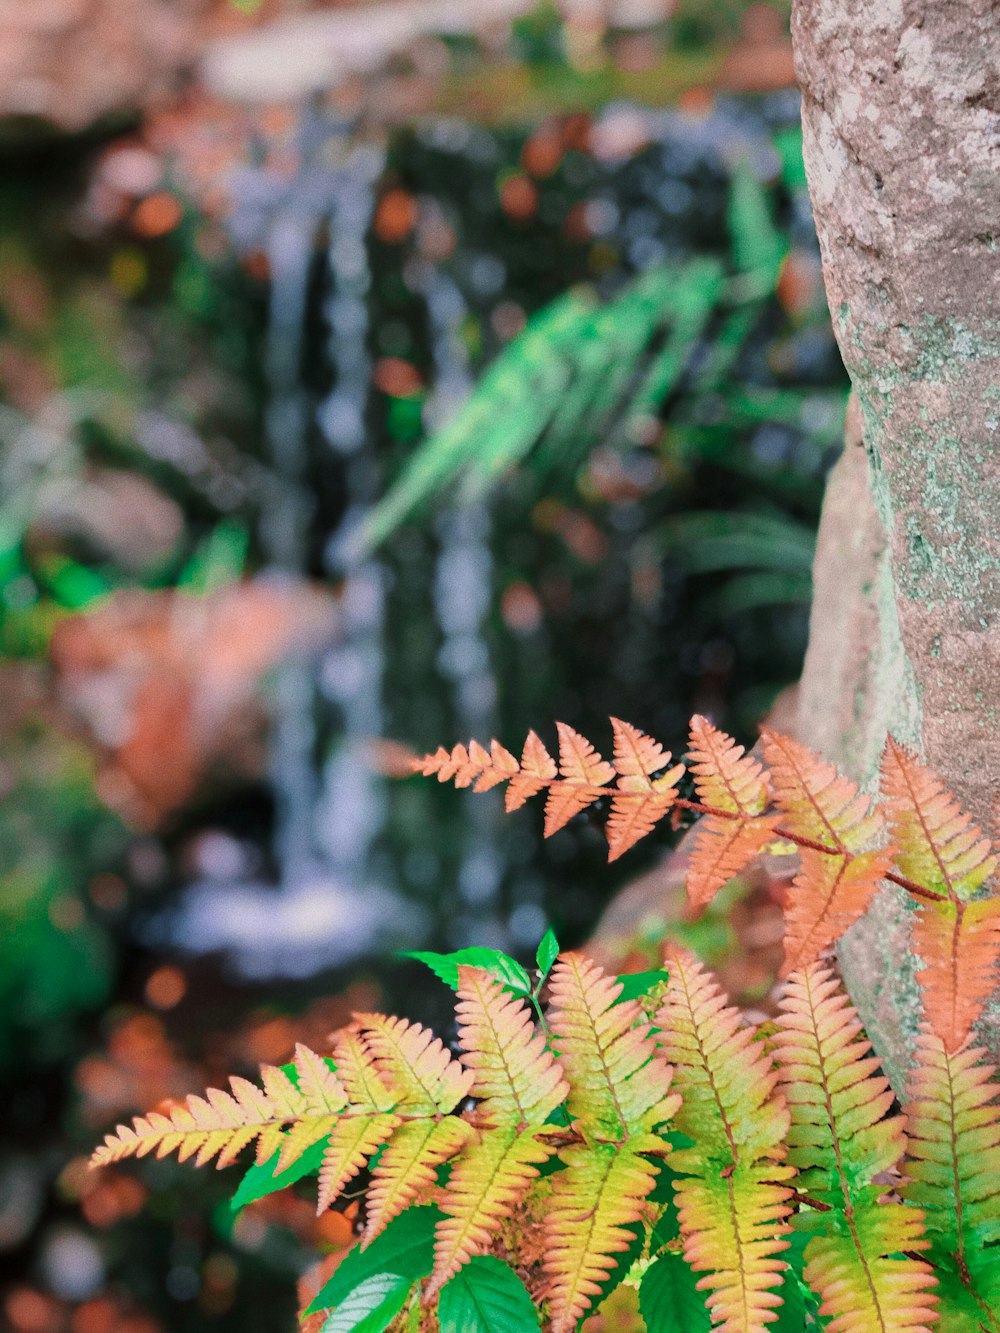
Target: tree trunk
(901,126)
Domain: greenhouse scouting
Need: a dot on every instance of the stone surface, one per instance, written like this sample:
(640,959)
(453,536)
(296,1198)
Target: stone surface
(901,122)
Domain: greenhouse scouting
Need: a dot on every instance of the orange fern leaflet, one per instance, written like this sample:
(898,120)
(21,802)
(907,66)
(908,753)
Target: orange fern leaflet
(833,888)
(728,779)
(957,937)
(641,797)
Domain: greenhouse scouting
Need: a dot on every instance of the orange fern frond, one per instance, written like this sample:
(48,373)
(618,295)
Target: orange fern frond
(832,888)
(619,1083)
(959,943)
(596,1203)
(641,798)
(860,1260)
(516,1078)
(353,1140)
(584,775)
(535,771)
(953,1170)
(733,1197)
(726,778)
(939,845)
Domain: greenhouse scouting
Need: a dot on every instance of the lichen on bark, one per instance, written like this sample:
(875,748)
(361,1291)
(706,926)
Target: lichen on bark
(901,132)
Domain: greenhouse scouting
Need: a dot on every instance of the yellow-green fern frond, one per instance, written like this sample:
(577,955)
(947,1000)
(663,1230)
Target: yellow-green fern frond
(619,1083)
(861,1260)
(953,1166)
(488,1180)
(353,1140)
(417,1062)
(592,1217)
(516,1077)
(733,1199)
(222,1124)
(407,1170)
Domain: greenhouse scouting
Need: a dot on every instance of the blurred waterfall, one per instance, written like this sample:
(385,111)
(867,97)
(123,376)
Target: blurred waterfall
(463,589)
(323,909)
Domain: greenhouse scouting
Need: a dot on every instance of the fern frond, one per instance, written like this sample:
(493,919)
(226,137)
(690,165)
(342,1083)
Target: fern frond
(488,1180)
(516,1078)
(641,799)
(733,1198)
(584,774)
(939,845)
(959,943)
(860,1260)
(596,1202)
(941,848)
(353,1140)
(431,1080)
(221,1124)
(726,778)
(619,1084)
(535,771)
(407,1170)
(953,1170)
(832,888)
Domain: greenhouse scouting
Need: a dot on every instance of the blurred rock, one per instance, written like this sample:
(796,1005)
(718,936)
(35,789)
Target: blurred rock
(166,684)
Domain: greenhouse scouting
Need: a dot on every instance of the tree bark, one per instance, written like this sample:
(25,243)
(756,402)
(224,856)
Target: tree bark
(901,130)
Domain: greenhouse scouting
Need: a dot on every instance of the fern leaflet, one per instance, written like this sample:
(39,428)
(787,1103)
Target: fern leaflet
(619,1094)
(726,779)
(953,1165)
(733,1198)
(837,878)
(860,1259)
(957,939)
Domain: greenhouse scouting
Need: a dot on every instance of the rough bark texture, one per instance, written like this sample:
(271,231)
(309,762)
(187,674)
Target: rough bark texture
(901,123)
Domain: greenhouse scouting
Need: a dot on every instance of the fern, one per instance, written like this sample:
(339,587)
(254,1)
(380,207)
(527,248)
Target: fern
(728,780)
(733,1197)
(619,1096)
(837,878)
(953,1165)
(957,939)
(860,1260)
(551,1143)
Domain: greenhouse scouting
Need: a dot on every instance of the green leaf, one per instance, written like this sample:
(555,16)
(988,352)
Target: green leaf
(372,1306)
(547,953)
(669,1297)
(445,965)
(636,984)
(405,1249)
(486,1296)
(260,1180)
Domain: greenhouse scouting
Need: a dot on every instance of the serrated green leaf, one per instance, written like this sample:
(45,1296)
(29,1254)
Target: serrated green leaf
(405,1248)
(370,1307)
(486,1296)
(636,984)
(507,970)
(669,1298)
(547,953)
(260,1179)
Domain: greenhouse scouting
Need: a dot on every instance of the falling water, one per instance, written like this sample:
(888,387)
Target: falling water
(323,910)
